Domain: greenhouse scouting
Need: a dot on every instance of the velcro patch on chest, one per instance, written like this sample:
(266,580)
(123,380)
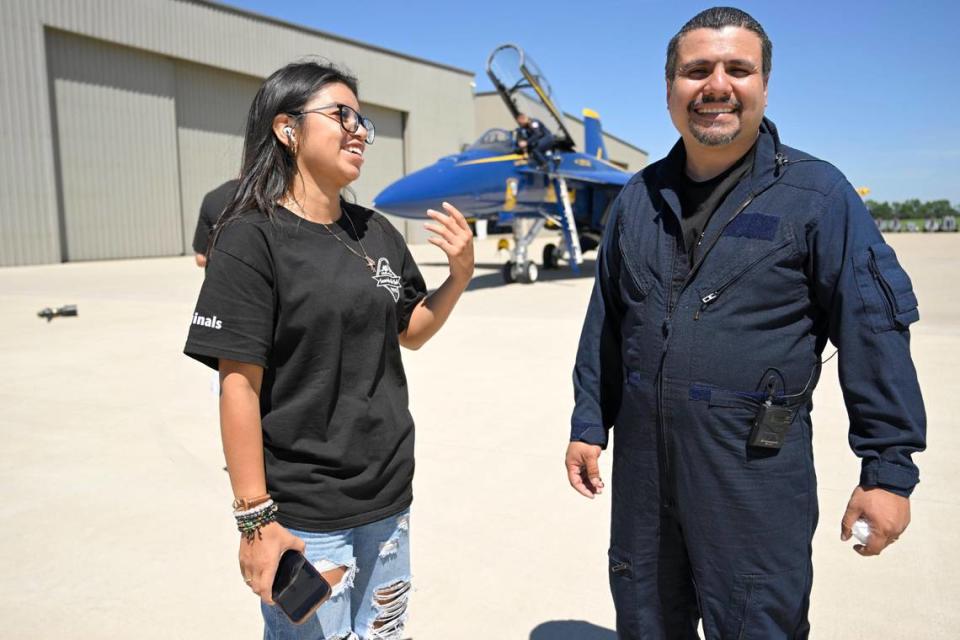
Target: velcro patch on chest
(758,226)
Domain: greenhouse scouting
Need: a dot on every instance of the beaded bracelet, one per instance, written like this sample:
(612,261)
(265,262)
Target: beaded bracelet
(260,516)
(251,527)
(251,521)
(255,514)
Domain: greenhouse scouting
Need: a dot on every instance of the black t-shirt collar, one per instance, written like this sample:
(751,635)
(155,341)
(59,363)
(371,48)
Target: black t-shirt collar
(357,215)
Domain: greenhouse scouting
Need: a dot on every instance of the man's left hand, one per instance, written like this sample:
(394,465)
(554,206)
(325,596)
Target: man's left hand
(887,514)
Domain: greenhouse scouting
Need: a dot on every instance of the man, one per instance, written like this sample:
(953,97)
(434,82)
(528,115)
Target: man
(210,209)
(534,138)
(724,270)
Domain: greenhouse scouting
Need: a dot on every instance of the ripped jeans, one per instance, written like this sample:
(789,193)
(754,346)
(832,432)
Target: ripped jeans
(370,601)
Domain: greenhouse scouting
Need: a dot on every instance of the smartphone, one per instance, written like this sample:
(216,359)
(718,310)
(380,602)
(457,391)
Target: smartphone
(298,588)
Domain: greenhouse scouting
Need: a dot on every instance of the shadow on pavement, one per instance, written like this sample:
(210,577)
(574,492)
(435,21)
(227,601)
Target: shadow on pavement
(571,630)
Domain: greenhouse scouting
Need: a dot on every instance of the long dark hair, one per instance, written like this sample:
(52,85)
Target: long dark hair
(268,166)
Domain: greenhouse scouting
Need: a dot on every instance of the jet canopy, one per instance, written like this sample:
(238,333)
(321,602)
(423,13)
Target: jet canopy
(498,140)
(512,73)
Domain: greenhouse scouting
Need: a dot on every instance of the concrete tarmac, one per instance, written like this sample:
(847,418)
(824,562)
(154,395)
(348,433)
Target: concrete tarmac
(117,509)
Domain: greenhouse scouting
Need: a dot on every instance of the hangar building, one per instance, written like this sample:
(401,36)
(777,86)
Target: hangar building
(118,115)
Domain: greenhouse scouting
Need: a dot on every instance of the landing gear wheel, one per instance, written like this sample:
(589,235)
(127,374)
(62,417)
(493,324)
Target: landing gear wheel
(550,257)
(528,273)
(508,273)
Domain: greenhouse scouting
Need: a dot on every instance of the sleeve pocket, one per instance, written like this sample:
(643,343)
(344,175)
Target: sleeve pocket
(885,288)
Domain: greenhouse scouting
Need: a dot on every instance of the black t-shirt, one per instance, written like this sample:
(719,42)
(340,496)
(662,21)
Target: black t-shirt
(288,296)
(210,209)
(698,200)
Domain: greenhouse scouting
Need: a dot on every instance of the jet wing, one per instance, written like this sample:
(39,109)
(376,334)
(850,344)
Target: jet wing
(581,168)
(598,176)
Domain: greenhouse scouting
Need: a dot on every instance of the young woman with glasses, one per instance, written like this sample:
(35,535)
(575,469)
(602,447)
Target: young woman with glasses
(305,304)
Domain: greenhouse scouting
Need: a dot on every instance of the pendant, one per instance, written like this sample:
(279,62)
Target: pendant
(371,264)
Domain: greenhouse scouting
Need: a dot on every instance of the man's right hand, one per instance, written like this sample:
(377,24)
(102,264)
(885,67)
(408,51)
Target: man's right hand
(260,557)
(583,469)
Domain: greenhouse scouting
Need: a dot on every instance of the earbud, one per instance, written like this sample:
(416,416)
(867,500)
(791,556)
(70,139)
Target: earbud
(288,131)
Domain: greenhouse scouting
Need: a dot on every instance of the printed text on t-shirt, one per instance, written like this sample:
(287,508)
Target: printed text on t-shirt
(212,323)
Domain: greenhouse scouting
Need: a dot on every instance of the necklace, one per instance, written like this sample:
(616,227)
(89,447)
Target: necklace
(365,257)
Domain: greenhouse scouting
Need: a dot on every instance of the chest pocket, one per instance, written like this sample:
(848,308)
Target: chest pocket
(885,288)
(645,253)
(747,259)
(635,283)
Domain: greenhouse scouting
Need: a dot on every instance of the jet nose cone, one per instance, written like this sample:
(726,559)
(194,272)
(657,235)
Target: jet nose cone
(389,197)
(409,196)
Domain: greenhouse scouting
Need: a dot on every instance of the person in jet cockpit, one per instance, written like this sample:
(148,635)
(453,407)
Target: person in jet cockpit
(533,138)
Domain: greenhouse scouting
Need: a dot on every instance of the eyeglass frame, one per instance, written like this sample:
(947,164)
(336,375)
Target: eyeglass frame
(361,119)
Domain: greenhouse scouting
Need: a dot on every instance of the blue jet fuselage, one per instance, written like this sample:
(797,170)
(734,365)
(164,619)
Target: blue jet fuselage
(492,180)
(500,183)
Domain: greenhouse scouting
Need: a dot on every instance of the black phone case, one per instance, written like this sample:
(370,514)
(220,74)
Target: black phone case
(298,588)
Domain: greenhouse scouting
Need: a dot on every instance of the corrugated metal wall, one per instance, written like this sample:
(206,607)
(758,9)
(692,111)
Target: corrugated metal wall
(117,149)
(28,199)
(211,114)
(141,139)
(434,103)
(383,161)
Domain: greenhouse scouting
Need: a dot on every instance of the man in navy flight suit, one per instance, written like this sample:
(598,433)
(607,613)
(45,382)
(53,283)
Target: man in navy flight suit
(724,271)
(534,138)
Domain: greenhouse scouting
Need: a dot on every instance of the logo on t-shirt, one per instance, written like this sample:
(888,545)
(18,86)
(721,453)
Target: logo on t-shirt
(387,279)
(203,321)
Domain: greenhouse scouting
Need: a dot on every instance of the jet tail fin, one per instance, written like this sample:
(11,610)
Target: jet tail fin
(593,135)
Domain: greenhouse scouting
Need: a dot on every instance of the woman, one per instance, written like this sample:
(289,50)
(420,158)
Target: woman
(305,304)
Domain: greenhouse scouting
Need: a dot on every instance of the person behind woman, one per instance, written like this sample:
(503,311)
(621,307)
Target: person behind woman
(305,304)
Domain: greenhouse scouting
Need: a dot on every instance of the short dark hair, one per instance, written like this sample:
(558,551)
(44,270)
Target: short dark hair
(718,18)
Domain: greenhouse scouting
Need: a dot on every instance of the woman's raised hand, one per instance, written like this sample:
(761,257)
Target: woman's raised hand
(453,235)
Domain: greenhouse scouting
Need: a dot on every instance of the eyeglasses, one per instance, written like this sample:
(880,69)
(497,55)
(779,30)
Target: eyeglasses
(350,120)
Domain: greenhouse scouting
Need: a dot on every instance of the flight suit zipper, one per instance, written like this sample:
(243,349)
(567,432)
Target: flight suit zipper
(713,295)
(667,328)
(781,161)
(885,292)
(636,281)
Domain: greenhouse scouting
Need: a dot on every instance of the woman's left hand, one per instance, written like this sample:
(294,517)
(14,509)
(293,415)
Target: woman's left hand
(456,240)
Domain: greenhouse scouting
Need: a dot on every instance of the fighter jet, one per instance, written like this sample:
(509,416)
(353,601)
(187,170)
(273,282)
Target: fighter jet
(492,180)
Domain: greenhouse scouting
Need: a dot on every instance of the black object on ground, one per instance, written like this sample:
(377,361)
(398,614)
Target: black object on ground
(66,311)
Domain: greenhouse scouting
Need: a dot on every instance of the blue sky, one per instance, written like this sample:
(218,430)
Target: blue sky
(868,86)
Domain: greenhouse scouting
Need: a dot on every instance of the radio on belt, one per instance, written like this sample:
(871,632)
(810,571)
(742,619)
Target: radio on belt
(770,426)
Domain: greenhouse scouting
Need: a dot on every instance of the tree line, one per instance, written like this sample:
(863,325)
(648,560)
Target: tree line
(911,209)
